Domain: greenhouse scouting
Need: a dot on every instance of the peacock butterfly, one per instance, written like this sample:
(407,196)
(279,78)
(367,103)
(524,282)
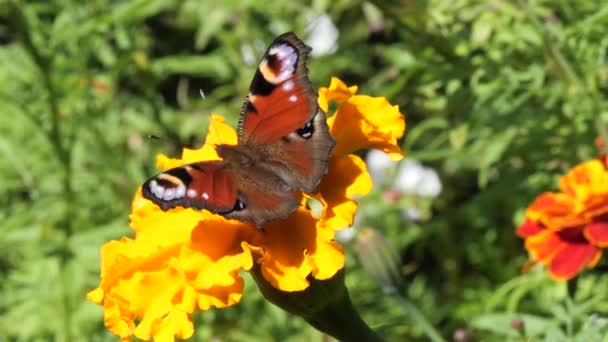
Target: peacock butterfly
(283,147)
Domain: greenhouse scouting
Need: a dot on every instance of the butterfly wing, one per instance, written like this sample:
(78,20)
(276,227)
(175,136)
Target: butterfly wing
(224,188)
(282,117)
(204,185)
(284,146)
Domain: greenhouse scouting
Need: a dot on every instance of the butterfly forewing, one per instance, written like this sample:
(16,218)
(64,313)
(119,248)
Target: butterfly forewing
(281,113)
(281,98)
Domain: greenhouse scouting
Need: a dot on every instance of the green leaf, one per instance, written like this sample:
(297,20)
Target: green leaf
(210,65)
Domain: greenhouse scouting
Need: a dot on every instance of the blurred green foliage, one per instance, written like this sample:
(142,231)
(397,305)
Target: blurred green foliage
(500,96)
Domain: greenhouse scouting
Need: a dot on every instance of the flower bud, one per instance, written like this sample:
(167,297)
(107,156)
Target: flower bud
(378,258)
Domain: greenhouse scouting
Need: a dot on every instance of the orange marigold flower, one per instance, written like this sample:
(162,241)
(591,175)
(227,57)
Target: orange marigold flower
(184,260)
(567,230)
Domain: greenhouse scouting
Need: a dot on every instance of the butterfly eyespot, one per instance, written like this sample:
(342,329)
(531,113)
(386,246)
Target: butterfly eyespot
(306,131)
(239,205)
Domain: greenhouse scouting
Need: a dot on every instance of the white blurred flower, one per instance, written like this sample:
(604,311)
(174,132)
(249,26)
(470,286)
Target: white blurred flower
(321,35)
(247,54)
(378,165)
(411,213)
(346,235)
(416,179)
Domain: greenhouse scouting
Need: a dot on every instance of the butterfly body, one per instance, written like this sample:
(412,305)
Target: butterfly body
(283,147)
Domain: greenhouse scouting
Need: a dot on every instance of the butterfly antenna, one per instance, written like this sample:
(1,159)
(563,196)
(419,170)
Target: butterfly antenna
(211,124)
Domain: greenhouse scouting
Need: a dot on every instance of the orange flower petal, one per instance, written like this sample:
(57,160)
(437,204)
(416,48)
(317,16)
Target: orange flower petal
(337,91)
(555,211)
(216,252)
(367,122)
(597,233)
(543,245)
(290,252)
(529,228)
(571,259)
(183,260)
(347,177)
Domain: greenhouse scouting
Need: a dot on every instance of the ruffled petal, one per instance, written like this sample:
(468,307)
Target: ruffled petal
(555,211)
(294,248)
(367,122)
(216,252)
(138,283)
(151,278)
(597,233)
(347,177)
(184,260)
(218,133)
(529,228)
(119,323)
(543,245)
(585,180)
(329,256)
(337,91)
(571,258)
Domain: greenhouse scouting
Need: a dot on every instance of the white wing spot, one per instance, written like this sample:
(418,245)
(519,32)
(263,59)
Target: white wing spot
(156,189)
(191,193)
(169,194)
(288,85)
(180,192)
(205,196)
(293,98)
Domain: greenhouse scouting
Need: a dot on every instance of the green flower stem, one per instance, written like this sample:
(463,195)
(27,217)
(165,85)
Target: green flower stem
(341,320)
(44,63)
(325,305)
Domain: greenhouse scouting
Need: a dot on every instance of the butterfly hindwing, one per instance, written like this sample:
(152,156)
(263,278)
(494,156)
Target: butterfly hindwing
(205,185)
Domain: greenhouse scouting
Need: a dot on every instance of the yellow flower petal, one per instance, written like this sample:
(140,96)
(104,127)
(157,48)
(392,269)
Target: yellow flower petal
(218,133)
(347,177)
(152,300)
(145,277)
(337,91)
(116,321)
(585,180)
(367,122)
(328,259)
(183,260)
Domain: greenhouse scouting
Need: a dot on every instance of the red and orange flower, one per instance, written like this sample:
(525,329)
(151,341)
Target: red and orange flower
(567,230)
(183,260)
